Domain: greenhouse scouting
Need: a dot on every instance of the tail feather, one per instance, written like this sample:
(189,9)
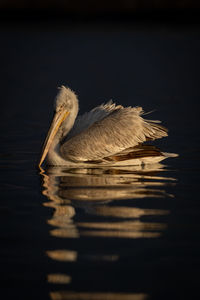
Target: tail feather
(153,130)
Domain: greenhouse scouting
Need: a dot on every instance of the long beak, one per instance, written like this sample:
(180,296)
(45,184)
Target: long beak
(58,119)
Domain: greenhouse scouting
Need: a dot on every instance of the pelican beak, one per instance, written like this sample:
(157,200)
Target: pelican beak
(58,119)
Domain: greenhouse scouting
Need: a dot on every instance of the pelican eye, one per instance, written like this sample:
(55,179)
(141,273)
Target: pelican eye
(60,108)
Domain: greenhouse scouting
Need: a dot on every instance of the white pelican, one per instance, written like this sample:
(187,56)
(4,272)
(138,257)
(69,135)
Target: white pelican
(109,134)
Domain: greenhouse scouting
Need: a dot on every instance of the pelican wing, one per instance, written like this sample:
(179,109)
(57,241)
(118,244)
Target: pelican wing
(121,129)
(96,114)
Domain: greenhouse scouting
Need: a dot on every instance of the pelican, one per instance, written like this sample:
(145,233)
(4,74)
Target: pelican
(109,134)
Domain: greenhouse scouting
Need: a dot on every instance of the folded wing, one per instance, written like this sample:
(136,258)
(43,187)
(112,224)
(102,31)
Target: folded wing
(96,114)
(121,129)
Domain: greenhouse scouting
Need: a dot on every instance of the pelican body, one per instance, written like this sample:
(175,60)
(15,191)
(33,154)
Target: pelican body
(109,134)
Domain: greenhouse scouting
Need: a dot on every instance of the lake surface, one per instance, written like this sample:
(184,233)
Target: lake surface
(104,233)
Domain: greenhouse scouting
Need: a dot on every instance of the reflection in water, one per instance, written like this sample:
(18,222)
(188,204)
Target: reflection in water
(58,278)
(62,295)
(99,203)
(63,255)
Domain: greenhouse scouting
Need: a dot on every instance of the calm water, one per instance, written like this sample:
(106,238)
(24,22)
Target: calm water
(112,233)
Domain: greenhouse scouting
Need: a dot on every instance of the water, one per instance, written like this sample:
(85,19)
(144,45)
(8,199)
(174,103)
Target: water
(112,233)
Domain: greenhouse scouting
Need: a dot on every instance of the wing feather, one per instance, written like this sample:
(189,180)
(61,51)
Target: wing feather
(96,114)
(120,129)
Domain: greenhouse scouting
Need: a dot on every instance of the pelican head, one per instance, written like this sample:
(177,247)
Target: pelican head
(66,110)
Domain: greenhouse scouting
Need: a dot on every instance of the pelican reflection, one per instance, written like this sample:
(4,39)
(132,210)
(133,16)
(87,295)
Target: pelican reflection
(101,203)
(102,192)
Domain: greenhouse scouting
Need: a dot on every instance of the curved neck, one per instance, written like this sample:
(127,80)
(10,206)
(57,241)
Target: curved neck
(54,157)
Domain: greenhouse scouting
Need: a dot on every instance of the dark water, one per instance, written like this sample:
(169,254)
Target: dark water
(119,233)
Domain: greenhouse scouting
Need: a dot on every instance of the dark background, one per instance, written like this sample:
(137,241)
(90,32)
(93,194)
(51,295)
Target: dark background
(93,9)
(137,53)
